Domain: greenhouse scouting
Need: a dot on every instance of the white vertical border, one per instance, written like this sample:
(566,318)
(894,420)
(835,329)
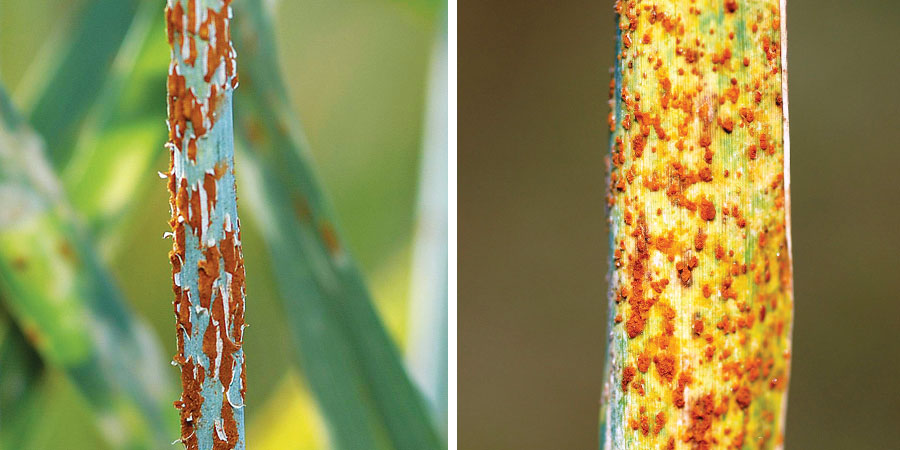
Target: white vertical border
(786,135)
(786,138)
(451,232)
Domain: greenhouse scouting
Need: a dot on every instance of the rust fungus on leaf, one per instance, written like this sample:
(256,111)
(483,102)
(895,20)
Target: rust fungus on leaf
(731,5)
(643,363)
(665,366)
(707,210)
(698,134)
(743,397)
(627,376)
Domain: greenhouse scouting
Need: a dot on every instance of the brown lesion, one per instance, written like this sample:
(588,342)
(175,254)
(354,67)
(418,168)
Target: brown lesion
(643,363)
(637,267)
(329,238)
(702,413)
(230,428)
(229,347)
(191,401)
(19,263)
(707,210)
(685,269)
(665,366)
(209,185)
(627,375)
(207,274)
(234,265)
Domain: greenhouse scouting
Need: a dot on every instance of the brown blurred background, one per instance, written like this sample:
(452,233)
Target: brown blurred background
(533,241)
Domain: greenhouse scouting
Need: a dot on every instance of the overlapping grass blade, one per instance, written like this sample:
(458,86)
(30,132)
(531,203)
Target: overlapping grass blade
(353,367)
(56,288)
(82,69)
(21,372)
(98,124)
(120,140)
(426,9)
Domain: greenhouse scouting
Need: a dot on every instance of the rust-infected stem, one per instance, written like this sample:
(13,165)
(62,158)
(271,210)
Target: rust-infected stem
(207,264)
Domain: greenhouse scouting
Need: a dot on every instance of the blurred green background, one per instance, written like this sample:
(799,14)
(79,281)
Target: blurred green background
(357,74)
(533,80)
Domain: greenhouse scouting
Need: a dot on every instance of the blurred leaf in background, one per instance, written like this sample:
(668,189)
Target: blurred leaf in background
(65,301)
(352,366)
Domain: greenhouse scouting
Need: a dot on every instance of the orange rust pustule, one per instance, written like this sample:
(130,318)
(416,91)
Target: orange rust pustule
(665,366)
(183,311)
(685,268)
(627,375)
(707,210)
(191,14)
(660,422)
(678,394)
(637,267)
(731,5)
(175,22)
(230,252)
(226,372)
(751,151)
(643,363)
(699,240)
(743,397)
(702,414)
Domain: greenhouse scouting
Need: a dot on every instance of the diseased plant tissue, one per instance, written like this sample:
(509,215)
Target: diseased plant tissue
(701,289)
(207,265)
